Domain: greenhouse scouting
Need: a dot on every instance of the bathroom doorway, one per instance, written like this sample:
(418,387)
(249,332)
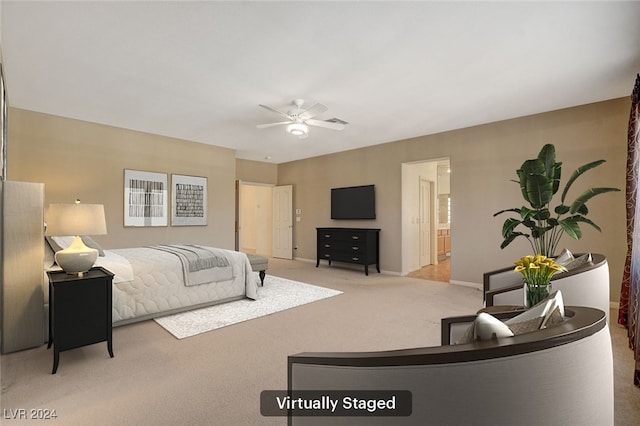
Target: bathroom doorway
(426,219)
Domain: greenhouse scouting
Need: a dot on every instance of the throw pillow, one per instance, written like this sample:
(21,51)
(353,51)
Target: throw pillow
(484,327)
(539,316)
(49,260)
(60,243)
(548,312)
(89,242)
(488,327)
(579,261)
(565,258)
(53,244)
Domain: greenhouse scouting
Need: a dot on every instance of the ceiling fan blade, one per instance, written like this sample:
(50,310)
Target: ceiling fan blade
(264,126)
(313,111)
(284,114)
(326,124)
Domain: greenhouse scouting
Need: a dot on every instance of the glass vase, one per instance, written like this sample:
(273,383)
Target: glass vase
(535,293)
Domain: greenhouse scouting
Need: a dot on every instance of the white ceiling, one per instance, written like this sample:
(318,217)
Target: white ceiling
(393,70)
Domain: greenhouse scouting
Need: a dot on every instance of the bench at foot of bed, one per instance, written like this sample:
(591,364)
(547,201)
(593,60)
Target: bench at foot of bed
(259,264)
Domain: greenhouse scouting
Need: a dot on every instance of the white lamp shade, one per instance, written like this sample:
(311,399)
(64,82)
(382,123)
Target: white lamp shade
(76,219)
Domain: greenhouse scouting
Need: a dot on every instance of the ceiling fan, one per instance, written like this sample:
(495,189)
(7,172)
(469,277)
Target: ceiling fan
(299,119)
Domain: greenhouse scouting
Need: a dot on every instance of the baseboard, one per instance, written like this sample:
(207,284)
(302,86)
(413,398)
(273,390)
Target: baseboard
(467,284)
(612,304)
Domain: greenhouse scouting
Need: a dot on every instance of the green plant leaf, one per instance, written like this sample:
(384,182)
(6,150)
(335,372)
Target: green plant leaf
(526,213)
(539,181)
(506,210)
(508,226)
(576,174)
(512,237)
(570,226)
(587,195)
(583,210)
(548,156)
(542,214)
(588,221)
(539,190)
(529,168)
(554,176)
(552,169)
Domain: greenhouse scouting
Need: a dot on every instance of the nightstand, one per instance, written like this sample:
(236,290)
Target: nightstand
(79,310)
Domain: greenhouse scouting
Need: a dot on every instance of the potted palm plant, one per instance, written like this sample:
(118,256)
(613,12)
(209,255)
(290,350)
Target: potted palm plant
(539,222)
(542,224)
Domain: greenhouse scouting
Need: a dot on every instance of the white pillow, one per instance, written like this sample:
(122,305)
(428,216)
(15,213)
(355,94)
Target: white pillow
(539,316)
(63,242)
(487,327)
(555,302)
(538,311)
(565,258)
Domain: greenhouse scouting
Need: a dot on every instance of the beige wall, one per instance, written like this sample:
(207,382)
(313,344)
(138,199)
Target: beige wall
(85,160)
(77,159)
(483,161)
(256,172)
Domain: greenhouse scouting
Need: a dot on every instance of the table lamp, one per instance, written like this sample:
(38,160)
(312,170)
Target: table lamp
(75,220)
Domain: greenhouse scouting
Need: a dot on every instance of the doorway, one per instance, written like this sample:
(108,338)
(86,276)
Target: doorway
(254,218)
(264,219)
(426,219)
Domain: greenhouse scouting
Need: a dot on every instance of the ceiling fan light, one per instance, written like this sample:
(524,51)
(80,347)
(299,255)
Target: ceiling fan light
(298,129)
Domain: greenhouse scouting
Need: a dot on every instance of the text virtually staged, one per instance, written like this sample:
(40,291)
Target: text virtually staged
(323,403)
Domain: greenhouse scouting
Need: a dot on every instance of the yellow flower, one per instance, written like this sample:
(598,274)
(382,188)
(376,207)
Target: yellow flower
(537,269)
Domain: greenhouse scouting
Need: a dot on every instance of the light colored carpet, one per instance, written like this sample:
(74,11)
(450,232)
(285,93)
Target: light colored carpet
(277,294)
(216,378)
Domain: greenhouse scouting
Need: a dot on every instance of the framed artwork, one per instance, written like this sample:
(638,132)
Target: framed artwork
(145,198)
(188,200)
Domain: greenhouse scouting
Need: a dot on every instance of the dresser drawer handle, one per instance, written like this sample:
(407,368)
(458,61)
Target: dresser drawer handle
(327,235)
(355,248)
(355,258)
(327,245)
(327,255)
(355,237)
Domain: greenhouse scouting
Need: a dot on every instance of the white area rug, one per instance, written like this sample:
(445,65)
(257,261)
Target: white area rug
(277,295)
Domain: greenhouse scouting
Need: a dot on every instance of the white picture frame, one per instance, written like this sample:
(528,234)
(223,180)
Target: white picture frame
(188,200)
(145,198)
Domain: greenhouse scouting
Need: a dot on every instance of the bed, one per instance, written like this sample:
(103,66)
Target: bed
(152,281)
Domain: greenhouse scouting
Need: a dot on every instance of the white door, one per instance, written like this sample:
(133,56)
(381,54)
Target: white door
(425,222)
(283,222)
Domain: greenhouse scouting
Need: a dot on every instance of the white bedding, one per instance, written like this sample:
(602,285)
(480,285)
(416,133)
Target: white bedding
(158,285)
(149,283)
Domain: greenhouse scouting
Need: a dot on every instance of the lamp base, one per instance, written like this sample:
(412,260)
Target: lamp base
(77,258)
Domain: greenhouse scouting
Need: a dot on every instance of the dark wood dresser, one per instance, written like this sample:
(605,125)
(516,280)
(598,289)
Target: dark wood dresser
(352,245)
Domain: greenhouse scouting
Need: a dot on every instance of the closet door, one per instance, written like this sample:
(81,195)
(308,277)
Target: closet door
(22,256)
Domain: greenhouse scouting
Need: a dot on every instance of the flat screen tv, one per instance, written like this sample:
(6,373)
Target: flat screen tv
(355,202)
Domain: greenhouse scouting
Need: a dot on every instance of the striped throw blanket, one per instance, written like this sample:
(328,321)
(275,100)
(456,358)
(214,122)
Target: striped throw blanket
(200,265)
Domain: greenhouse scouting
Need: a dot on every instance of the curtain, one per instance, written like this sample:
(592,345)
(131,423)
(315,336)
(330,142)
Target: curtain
(629,313)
